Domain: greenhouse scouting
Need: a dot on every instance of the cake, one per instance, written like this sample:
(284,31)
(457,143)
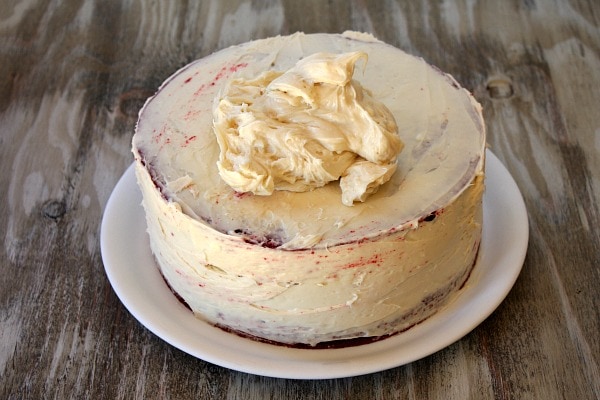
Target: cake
(314,189)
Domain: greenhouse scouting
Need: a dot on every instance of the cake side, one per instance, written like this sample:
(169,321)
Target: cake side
(359,289)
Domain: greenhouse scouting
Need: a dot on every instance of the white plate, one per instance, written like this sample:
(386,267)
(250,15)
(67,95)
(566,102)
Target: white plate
(134,276)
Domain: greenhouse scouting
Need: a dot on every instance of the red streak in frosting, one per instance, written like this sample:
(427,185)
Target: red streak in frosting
(223,72)
(158,136)
(188,139)
(241,195)
(375,259)
(191,114)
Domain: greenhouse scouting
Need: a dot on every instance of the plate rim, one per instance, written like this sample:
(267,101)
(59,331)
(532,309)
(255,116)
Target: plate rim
(484,292)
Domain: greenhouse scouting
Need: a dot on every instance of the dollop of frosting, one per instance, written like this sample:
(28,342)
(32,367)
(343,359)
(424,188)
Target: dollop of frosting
(304,128)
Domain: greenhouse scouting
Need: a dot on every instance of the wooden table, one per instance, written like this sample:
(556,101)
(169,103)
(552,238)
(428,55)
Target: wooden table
(73,77)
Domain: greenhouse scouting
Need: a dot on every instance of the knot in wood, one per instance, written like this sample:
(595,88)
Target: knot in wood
(130,103)
(499,88)
(54,209)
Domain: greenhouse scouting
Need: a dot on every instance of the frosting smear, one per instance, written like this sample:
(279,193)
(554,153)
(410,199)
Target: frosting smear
(301,129)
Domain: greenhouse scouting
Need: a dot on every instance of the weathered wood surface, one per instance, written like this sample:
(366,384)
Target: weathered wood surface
(72,78)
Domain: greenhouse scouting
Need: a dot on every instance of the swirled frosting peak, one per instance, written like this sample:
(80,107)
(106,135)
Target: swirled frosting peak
(303,128)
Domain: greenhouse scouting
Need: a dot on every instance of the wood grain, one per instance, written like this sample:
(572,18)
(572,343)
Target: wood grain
(73,77)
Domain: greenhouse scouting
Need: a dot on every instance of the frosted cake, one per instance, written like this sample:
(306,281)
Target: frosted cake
(312,189)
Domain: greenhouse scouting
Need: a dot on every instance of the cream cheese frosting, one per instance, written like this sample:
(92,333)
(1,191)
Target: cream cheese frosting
(303,128)
(301,267)
(432,112)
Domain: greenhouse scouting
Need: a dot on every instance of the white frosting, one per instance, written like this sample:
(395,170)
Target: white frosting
(301,129)
(433,114)
(300,267)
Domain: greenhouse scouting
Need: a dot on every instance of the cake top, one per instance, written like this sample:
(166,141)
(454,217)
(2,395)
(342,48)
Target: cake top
(439,123)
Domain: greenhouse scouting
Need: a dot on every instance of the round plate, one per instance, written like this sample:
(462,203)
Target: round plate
(134,276)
